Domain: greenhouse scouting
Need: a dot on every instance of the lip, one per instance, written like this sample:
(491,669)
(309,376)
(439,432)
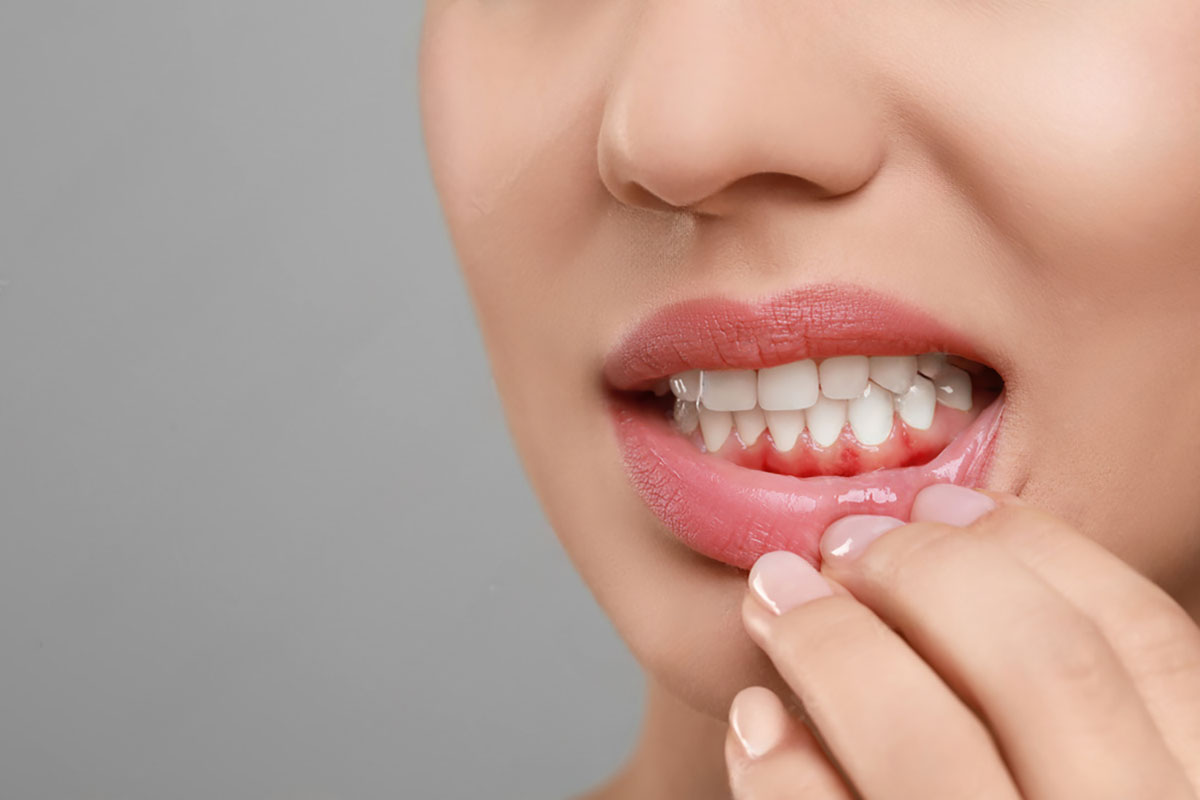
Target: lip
(811,322)
(734,514)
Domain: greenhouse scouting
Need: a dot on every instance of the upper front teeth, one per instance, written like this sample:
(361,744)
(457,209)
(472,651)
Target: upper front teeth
(844,377)
(894,373)
(788,386)
(729,389)
(822,397)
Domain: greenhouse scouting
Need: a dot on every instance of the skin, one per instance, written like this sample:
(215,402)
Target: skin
(596,161)
(1058,672)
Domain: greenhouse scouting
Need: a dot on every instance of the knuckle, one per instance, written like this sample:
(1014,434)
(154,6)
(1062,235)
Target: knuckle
(1076,657)
(823,626)
(911,556)
(1025,527)
(1021,518)
(1162,637)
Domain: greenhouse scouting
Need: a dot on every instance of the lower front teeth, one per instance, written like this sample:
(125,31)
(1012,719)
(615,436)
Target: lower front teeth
(865,392)
(750,425)
(871,415)
(953,387)
(916,406)
(715,427)
(786,427)
(826,420)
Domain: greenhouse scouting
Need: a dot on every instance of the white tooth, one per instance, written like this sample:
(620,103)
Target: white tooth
(785,426)
(894,373)
(686,385)
(788,386)
(715,427)
(750,425)
(930,364)
(953,387)
(687,416)
(729,389)
(826,420)
(871,415)
(844,377)
(916,406)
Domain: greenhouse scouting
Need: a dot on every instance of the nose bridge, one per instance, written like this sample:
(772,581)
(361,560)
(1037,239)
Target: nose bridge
(713,91)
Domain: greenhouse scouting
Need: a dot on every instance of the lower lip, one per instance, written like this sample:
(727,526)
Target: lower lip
(734,514)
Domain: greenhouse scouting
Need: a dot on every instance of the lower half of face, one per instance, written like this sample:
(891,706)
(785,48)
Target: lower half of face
(738,278)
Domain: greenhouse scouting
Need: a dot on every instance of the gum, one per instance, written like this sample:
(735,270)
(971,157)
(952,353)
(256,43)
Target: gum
(847,456)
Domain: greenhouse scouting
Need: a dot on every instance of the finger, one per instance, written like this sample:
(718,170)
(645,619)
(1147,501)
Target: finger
(1037,669)
(769,755)
(891,723)
(1155,639)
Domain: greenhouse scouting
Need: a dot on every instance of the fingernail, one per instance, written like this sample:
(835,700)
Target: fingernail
(845,539)
(954,505)
(758,720)
(783,580)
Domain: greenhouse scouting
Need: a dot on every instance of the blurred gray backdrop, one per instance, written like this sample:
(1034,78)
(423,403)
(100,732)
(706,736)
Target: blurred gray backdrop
(242,398)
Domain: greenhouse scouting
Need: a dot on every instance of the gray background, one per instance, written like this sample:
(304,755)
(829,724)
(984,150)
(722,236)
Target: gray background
(262,534)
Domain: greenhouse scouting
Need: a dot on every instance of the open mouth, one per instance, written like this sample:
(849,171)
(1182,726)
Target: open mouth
(751,427)
(844,415)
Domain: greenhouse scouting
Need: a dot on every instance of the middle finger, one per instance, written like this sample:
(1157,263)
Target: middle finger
(891,723)
(1030,663)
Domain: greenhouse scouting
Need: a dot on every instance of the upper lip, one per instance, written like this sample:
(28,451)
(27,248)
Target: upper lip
(814,321)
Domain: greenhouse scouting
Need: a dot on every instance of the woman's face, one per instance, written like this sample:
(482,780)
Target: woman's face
(640,188)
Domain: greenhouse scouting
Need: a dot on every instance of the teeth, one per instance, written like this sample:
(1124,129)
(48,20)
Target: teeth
(916,406)
(715,427)
(894,373)
(953,388)
(686,385)
(867,392)
(687,416)
(844,377)
(826,420)
(871,415)
(750,425)
(729,389)
(788,386)
(785,426)
(930,364)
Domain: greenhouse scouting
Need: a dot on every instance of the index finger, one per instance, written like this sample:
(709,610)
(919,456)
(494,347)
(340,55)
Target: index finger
(1152,635)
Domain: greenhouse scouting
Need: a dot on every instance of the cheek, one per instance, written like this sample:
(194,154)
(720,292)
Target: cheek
(469,111)
(1088,150)
(1079,147)
(500,95)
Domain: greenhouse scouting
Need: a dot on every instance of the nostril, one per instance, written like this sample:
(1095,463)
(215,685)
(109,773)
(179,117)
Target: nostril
(638,196)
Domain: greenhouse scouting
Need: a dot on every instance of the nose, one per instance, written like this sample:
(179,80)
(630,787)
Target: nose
(712,96)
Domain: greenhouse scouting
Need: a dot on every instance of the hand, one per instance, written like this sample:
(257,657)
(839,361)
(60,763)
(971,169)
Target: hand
(987,650)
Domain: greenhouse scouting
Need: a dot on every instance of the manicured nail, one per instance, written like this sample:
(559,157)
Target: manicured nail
(845,539)
(783,580)
(758,720)
(954,505)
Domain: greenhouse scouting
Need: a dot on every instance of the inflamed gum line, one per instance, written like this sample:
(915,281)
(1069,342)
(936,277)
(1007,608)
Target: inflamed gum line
(750,426)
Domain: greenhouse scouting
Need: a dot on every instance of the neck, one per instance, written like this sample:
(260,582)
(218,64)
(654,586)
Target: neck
(680,753)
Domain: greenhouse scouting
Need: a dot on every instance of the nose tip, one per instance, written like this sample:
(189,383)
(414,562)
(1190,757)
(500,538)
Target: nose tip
(702,107)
